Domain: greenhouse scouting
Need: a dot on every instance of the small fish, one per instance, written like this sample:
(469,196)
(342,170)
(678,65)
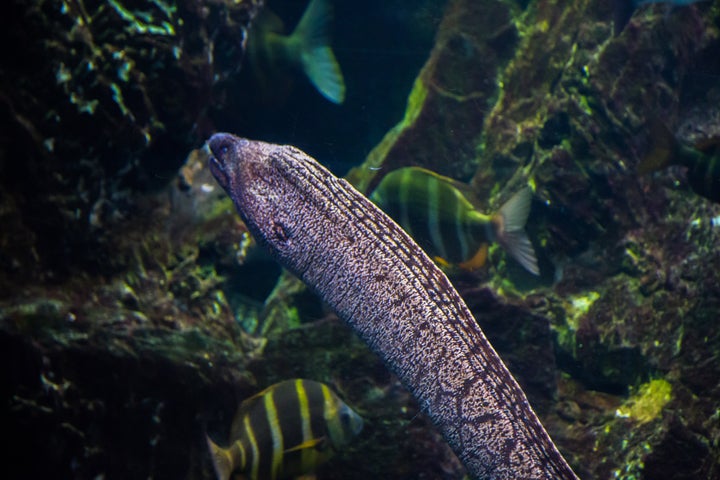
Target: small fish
(286,430)
(307,49)
(703,168)
(624,9)
(434,211)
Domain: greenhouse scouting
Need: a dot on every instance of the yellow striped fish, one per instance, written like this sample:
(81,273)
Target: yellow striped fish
(286,430)
(433,210)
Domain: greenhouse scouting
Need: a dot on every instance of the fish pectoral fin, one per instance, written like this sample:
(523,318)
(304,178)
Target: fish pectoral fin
(467,192)
(312,443)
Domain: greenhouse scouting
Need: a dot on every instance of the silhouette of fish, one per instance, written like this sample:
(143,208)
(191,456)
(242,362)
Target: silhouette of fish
(306,49)
(703,166)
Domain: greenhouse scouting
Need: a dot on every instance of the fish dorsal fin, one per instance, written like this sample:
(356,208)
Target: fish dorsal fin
(237,425)
(465,190)
(312,443)
(455,183)
(317,58)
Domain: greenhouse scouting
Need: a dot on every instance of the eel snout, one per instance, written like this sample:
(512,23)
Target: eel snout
(224,148)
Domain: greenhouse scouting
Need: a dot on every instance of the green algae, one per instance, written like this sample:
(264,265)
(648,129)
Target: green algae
(647,402)
(416,100)
(575,307)
(639,443)
(579,305)
(361,177)
(137,25)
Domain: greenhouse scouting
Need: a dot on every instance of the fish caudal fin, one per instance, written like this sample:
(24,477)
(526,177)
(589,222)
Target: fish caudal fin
(317,58)
(222,460)
(323,71)
(661,150)
(510,230)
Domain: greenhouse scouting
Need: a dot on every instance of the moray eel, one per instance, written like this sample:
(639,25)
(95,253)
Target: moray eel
(379,281)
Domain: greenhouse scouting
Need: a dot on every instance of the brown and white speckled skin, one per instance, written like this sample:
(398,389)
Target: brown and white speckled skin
(381,283)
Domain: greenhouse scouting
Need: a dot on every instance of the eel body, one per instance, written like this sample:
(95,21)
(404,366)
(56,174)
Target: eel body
(365,267)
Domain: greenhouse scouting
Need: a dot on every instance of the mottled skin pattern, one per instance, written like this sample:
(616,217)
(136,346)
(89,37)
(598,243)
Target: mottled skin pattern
(381,283)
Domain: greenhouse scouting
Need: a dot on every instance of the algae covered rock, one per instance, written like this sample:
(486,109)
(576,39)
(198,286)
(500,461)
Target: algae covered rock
(120,374)
(447,106)
(629,268)
(136,313)
(102,99)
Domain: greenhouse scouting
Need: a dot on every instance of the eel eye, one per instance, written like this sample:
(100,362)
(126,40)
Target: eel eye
(282,232)
(220,145)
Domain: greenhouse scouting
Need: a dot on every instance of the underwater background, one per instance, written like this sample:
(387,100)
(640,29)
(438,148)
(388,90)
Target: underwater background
(136,312)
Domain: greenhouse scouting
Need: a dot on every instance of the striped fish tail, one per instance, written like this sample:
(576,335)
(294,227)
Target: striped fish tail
(509,230)
(316,56)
